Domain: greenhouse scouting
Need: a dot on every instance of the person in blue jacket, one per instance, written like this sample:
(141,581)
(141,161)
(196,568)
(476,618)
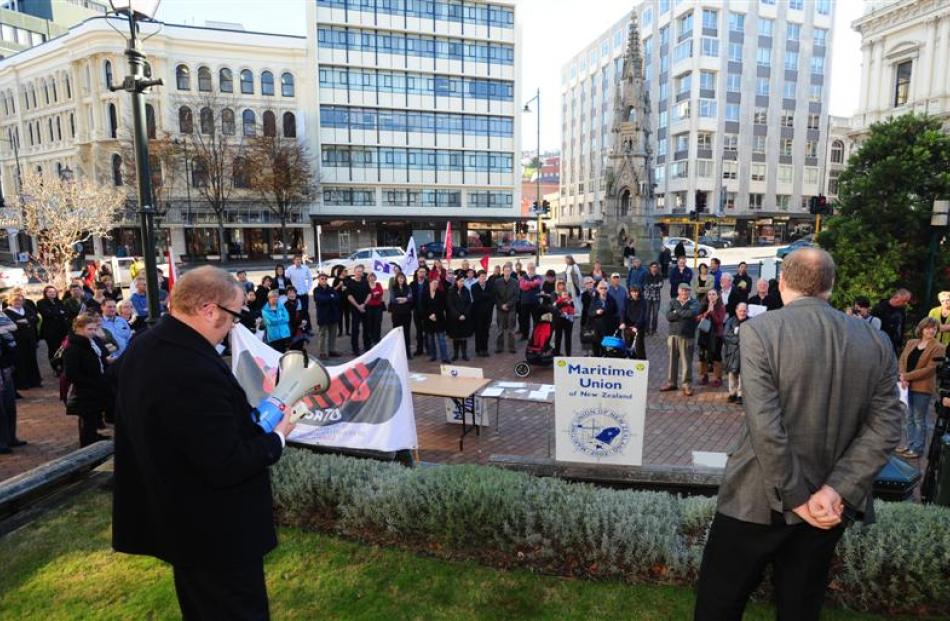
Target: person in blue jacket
(276,322)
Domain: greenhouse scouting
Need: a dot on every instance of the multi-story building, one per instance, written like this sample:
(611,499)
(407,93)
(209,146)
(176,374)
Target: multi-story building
(905,46)
(739,101)
(26,23)
(58,110)
(418,120)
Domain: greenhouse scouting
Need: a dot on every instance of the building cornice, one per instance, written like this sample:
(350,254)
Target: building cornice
(897,14)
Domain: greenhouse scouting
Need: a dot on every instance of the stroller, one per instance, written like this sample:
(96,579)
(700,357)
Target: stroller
(539,352)
(616,347)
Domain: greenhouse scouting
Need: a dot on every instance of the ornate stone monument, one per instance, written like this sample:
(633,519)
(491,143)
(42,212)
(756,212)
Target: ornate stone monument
(628,204)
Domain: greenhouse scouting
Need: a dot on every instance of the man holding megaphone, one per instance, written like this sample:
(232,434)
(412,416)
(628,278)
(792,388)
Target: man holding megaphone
(191,456)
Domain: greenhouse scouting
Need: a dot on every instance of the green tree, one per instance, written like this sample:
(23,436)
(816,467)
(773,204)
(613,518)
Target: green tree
(879,235)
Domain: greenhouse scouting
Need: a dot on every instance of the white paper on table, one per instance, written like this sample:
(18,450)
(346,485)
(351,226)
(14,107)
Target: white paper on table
(709,459)
(540,395)
(492,392)
(756,310)
(510,384)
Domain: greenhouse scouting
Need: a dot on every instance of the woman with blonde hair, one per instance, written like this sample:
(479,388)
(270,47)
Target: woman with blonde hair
(942,315)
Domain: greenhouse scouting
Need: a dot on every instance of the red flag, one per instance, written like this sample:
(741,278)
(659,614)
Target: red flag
(448,242)
(172,272)
(484,262)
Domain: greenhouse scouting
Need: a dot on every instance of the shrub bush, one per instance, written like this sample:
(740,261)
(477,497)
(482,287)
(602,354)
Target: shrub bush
(899,564)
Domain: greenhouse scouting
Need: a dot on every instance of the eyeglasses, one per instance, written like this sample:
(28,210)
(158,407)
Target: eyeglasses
(235,317)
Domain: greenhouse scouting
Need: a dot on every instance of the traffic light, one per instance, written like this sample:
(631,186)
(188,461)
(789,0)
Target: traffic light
(823,205)
(534,207)
(546,207)
(700,202)
(813,205)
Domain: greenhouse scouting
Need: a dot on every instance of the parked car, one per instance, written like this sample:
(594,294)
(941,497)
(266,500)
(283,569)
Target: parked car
(804,242)
(365,257)
(715,242)
(436,249)
(704,250)
(517,246)
(12,277)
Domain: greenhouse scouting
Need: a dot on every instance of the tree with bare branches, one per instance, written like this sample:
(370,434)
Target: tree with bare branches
(209,133)
(279,170)
(60,214)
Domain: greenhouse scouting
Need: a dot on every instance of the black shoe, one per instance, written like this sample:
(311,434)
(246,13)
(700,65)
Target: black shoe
(433,359)
(738,401)
(731,399)
(19,443)
(5,451)
(455,357)
(18,395)
(418,352)
(512,351)
(464,356)
(499,350)
(100,437)
(483,354)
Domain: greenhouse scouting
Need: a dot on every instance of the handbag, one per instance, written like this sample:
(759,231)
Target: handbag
(705,325)
(588,335)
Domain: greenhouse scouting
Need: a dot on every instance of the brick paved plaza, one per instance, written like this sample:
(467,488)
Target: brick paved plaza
(675,425)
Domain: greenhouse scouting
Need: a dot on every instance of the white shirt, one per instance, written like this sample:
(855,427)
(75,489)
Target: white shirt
(300,278)
(725,295)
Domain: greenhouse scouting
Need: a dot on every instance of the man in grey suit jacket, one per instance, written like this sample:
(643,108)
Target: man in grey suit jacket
(822,416)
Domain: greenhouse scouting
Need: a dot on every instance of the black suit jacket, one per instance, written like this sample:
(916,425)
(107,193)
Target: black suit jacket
(191,480)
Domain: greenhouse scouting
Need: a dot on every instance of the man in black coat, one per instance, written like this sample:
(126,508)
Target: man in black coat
(893,315)
(191,480)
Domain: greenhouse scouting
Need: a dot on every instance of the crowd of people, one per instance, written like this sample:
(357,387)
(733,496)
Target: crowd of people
(441,310)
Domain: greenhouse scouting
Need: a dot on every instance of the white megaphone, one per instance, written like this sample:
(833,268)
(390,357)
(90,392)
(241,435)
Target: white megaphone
(297,376)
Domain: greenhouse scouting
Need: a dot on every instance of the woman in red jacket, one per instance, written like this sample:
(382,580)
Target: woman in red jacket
(374,309)
(710,341)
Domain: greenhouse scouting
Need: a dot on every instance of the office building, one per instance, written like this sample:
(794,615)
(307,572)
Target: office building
(27,23)
(739,105)
(419,121)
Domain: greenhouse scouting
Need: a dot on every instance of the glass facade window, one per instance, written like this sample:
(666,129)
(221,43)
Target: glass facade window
(756,200)
(684,84)
(730,169)
(811,174)
(789,89)
(792,31)
(710,46)
(730,142)
(762,87)
(335,156)
(710,19)
(761,116)
(685,26)
(401,82)
(786,146)
(823,7)
(791,60)
(704,140)
(814,92)
(489,199)
(819,37)
(707,80)
(758,144)
(683,51)
(818,65)
(813,121)
(347,197)
(788,119)
(481,14)
(707,108)
(784,173)
(735,52)
(765,27)
(359,40)
(736,22)
(267,83)
(733,82)
(796,5)
(763,56)
(345,117)
(732,112)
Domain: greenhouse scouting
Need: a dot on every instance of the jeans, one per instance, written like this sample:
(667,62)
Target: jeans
(506,330)
(434,338)
(326,338)
(916,427)
(653,310)
(680,349)
(358,320)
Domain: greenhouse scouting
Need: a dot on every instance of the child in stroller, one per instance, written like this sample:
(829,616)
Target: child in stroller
(616,346)
(539,351)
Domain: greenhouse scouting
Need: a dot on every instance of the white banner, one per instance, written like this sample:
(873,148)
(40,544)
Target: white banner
(368,405)
(410,262)
(600,410)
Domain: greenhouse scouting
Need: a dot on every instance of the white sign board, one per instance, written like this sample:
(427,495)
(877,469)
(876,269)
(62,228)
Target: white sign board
(453,414)
(600,410)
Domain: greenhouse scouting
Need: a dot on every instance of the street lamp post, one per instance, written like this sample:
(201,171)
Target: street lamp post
(136,84)
(537,206)
(938,223)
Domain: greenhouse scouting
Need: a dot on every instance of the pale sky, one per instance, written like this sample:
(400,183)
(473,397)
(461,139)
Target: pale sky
(552,31)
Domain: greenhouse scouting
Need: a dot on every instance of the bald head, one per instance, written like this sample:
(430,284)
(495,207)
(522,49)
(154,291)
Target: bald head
(808,272)
(202,286)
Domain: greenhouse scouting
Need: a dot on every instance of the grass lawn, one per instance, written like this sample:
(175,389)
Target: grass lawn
(62,567)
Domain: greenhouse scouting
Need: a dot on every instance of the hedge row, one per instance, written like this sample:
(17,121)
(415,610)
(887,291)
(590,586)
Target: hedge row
(899,564)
